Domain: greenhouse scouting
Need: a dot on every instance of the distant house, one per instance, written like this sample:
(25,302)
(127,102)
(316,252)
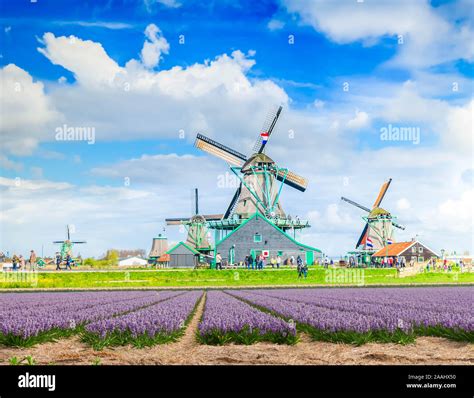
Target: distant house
(183,256)
(412,250)
(132,261)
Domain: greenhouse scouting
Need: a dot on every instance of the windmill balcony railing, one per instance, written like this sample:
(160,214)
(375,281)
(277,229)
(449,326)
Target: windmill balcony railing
(283,223)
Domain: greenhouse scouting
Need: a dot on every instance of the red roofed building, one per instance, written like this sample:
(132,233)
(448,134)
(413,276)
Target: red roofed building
(412,250)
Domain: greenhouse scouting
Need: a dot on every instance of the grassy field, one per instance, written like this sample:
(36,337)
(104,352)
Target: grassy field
(213,278)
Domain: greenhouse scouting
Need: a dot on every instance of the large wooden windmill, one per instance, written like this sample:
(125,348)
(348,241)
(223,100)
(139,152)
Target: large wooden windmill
(261,179)
(196,226)
(378,231)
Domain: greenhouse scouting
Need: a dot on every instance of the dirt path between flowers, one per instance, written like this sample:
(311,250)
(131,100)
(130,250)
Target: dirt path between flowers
(187,351)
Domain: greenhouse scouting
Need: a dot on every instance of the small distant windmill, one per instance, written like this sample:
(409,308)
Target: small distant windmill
(379,223)
(196,226)
(261,179)
(67,245)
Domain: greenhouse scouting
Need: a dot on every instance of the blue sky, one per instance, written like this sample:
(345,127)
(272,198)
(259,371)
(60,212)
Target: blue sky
(191,86)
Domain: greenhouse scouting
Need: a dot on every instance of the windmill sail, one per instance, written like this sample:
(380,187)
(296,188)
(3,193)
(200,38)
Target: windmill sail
(267,130)
(221,151)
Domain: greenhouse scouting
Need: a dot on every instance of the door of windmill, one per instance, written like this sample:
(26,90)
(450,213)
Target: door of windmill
(309,257)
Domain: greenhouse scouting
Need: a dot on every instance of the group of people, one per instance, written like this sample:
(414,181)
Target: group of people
(59,260)
(434,265)
(19,262)
(260,261)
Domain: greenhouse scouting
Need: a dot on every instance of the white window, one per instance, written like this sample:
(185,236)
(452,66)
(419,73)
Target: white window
(413,249)
(420,249)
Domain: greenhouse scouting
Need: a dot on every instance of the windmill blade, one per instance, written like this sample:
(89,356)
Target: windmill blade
(59,241)
(396,225)
(233,202)
(363,236)
(79,241)
(68,232)
(221,151)
(355,204)
(292,179)
(176,221)
(212,217)
(383,191)
(267,129)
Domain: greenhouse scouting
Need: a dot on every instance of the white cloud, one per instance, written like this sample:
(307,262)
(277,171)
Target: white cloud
(150,4)
(428,38)
(275,24)
(360,120)
(403,204)
(153,47)
(86,59)
(460,128)
(98,24)
(26,110)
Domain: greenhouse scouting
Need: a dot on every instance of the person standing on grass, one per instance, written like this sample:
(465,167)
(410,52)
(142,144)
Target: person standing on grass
(273,262)
(299,266)
(292,261)
(68,262)
(218,261)
(32,260)
(15,261)
(278,261)
(305,270)
(58,262)
(22,262)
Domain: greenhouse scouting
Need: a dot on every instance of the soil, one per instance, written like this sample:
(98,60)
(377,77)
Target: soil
(187,351)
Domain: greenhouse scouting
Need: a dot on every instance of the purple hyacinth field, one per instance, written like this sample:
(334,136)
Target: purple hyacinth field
(372,314)
(281,316)
(227,319)
(30,318)
(157,323)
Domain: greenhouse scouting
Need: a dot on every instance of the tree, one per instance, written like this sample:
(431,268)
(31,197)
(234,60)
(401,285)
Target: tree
(112,257)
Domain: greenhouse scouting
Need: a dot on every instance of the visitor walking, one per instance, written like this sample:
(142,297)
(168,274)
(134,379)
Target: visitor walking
(247,262)
(68,262)
(218,261)
(299,270)
(299,266)
(292,261)
(22,262)
(305,270)
(15,261)
(58,262)
(32,260)
(278,261)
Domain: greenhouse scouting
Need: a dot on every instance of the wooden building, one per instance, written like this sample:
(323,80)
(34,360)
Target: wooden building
(183,256)
(258,235)
(412,250)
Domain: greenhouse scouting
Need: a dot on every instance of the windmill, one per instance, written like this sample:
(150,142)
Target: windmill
(261,179)
(67,245)
(379,223)
(196,226)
